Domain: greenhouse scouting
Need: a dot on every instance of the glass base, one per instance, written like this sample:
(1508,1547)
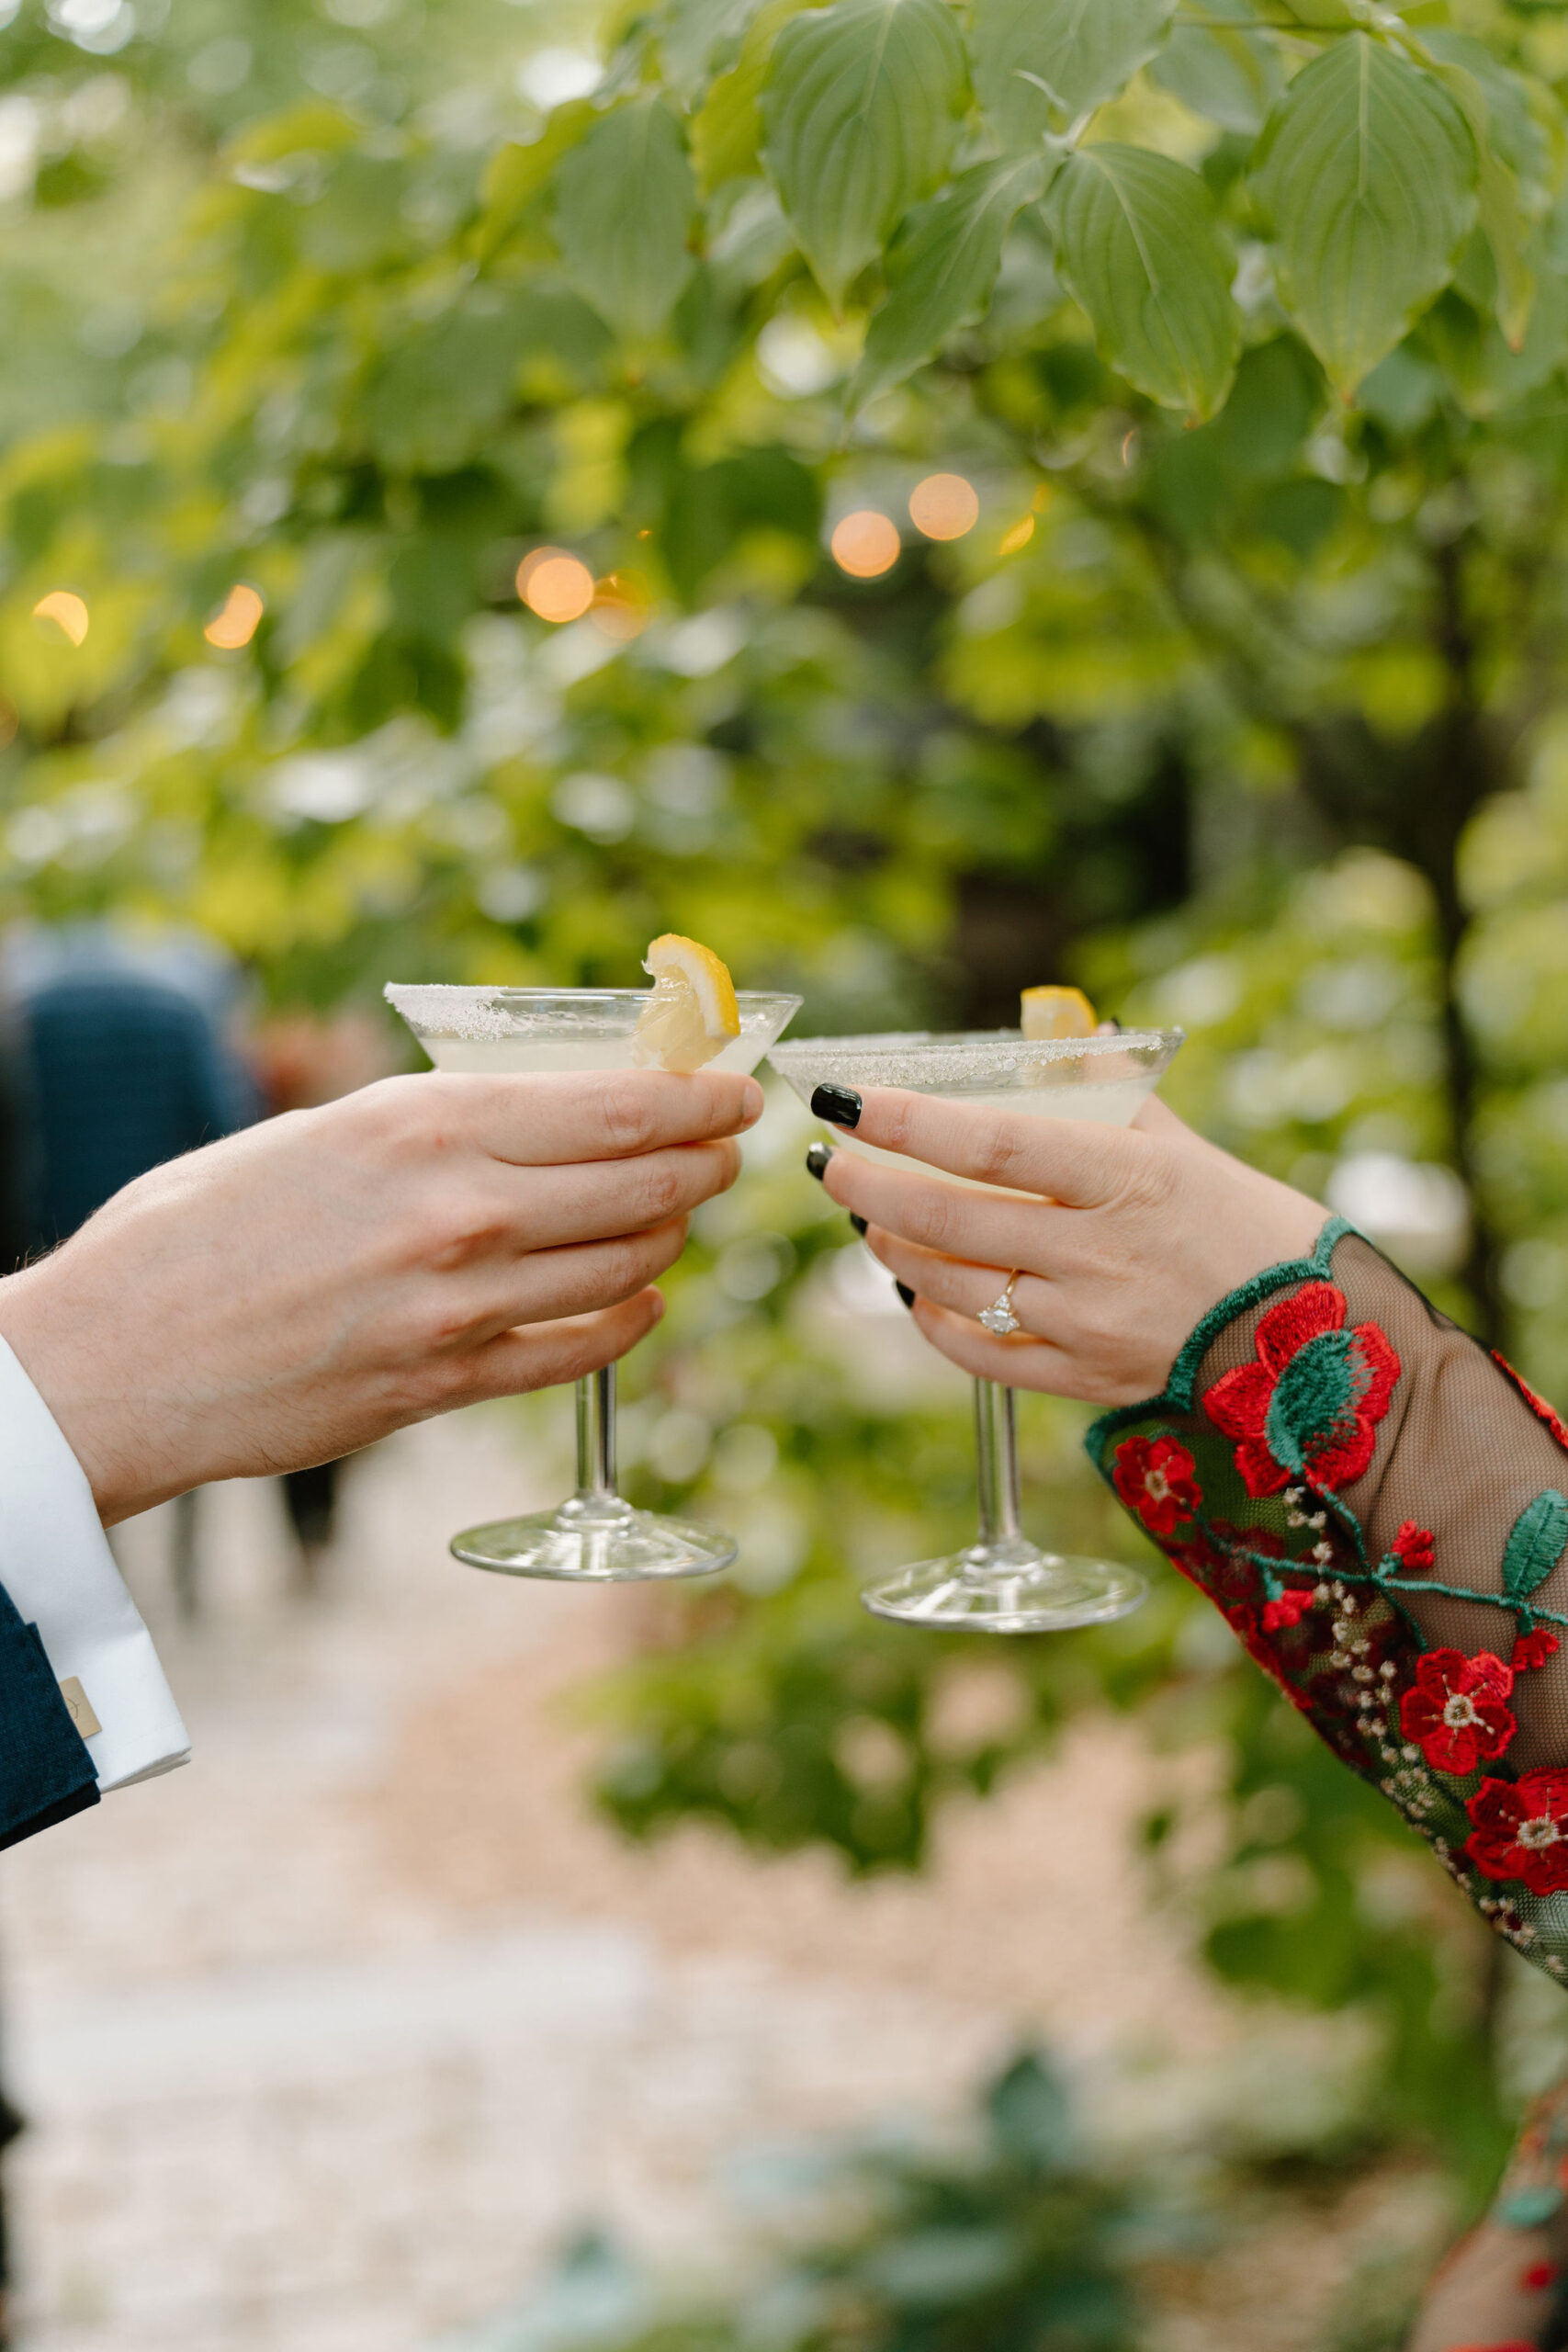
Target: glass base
(594,1540)
(1009,1588)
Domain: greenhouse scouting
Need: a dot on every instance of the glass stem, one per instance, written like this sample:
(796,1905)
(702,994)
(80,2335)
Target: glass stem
(996,1448)
(596,1433)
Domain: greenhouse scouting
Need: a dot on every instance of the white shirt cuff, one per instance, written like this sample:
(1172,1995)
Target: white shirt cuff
(56,1565)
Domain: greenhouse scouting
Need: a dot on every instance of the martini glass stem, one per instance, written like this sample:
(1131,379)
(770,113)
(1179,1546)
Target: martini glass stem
(597,1435)
(996,1448)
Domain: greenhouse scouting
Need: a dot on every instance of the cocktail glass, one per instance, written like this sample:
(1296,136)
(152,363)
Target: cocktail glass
(1001,1583)
(595,1537)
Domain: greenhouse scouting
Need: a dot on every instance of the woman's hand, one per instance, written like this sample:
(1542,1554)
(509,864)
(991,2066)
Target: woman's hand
(1122,1237)
(290,1294)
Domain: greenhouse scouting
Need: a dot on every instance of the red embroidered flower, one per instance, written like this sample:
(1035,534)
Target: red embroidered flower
(1289,1610)
(1537,1405)
(1456,1711)
(1158,1479)
(1533,1649)
(1414,1547)
(1521,1830)
(1308,1404)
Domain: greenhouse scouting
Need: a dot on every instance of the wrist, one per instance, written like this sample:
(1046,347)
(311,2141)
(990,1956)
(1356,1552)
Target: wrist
(38,1327)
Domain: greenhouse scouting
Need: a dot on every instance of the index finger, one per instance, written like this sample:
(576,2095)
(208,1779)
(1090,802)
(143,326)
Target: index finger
(555,1118)
(1078,1162)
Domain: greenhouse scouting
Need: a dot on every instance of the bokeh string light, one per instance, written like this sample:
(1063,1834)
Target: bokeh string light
(622,606)
(944,506)
(68,612)
(236,623)
(556,586)
(866,543)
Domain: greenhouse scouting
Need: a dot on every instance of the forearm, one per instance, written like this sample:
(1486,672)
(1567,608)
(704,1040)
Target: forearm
(1374,1504)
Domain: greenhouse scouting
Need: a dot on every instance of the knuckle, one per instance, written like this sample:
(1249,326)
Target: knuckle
(1000,1149)
(625,1270)
(455,1227)
(893,1123)
(930,1218)
(662,1189)
(628,1114)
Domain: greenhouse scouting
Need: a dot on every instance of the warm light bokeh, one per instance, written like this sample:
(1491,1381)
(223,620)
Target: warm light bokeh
(68,613)
(944,506)
(556,586)
(235,624)
(1018,536)
(866,543)
(622,606)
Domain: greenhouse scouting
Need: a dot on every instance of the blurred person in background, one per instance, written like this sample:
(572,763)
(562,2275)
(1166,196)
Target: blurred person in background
(1371,1499)
(125,1061)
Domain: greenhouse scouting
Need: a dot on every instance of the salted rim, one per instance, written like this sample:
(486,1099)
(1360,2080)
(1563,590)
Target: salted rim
(924,1060)
(444,1008)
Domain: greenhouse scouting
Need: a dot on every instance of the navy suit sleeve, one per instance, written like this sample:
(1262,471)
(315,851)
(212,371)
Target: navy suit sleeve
(46,1773)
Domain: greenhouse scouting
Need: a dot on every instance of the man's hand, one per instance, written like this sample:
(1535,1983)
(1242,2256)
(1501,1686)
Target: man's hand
(290,1294)
(1123,1237)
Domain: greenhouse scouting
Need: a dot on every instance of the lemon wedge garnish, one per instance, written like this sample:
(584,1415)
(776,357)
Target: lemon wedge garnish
(691,1013)
(1057,1012)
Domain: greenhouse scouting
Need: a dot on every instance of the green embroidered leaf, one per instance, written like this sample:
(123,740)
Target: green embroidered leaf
(1137,240)
(1369,172)
(624,198)
(1535,1545)
(861,111)
(1041,64)
(943,268)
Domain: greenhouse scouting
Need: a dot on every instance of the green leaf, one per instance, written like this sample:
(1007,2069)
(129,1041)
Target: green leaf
(697,33)
(1507,141)
(1231,77)
(1041,64)
(1367,170)
(442,387)
(943,268)
(727,131)
(1138,244)
(516,175)
(1535,1545)
(625,200)
(860,112)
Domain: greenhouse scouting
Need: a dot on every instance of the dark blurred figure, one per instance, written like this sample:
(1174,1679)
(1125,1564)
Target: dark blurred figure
(127,1071)
(123,1062)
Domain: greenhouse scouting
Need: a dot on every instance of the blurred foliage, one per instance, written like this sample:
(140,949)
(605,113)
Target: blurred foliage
(1258,723)
(1021,2239)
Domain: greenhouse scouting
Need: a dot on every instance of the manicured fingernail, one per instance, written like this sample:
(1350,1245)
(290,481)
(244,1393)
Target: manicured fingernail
(817,1155)
(839,1105)
(906,1295)
(858,1222)
(754,1099)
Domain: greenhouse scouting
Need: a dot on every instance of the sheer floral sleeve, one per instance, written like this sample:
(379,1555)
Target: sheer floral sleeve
(1375,1505)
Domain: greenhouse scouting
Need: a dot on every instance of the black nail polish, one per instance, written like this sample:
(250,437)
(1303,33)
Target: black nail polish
(839,1105)
(859,1224)
(817,1155)
(906,1295)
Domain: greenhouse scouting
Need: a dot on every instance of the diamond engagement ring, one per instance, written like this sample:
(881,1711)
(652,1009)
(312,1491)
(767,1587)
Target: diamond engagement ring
(999,1317)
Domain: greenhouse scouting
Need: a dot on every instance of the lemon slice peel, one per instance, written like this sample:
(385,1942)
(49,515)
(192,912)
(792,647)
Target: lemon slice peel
(691,1014)
(1046,1013)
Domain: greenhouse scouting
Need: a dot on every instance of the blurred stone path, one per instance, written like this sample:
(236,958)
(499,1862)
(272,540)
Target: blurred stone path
(329,2039)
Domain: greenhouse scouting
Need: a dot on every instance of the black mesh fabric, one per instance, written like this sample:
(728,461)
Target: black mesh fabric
(1329,1445)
